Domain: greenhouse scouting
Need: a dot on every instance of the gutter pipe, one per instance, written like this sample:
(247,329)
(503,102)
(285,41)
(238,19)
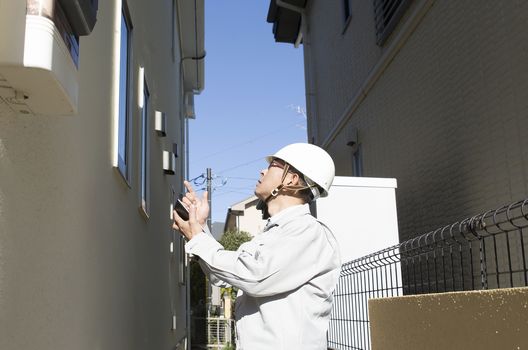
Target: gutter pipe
(300,11)
(397,43)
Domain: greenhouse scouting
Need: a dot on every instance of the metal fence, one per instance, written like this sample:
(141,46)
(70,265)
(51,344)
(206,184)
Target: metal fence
(220,332)
(482,252)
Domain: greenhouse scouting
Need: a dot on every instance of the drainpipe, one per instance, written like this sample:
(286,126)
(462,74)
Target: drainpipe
(300,11)
(310,91)
(398,41)
(185,133)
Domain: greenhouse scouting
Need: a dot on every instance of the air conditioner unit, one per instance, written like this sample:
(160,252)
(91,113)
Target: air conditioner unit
(39,51)
(169,163)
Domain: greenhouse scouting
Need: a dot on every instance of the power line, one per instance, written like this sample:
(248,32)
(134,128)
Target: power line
(250,141)
(241,178)
(240,188)
(228,192)
(241,165)
(232,168)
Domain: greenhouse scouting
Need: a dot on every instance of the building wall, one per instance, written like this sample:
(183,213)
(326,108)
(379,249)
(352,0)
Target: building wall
(484,320)
(80,267)
(446,117)
(251,221)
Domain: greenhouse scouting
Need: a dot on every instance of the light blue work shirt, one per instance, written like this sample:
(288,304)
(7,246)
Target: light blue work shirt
(285,275)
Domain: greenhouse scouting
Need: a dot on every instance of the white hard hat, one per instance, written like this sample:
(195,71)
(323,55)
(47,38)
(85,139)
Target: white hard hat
(313,162)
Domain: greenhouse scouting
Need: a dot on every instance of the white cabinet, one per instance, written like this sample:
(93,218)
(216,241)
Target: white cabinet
(361,211)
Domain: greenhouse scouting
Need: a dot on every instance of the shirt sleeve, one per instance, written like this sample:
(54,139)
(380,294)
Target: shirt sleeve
(282,262)
(205,268)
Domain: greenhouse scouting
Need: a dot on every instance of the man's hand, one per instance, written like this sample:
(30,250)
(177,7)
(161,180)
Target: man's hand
(187,228)
(201,204)
(198,213)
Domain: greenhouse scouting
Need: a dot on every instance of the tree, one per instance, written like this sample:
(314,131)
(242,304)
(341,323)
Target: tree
(231,240)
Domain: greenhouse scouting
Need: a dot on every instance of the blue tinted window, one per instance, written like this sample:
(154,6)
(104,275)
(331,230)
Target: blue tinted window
(122,148)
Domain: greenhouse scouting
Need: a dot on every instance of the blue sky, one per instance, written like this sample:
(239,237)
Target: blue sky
(248,109)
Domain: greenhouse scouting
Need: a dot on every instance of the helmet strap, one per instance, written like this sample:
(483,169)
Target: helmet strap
(282,186)
(277,189)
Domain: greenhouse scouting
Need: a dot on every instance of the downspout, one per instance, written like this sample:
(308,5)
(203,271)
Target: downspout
(300,11)
(185,139)
(397,42)
(186,170)
(309,78)
(184,174)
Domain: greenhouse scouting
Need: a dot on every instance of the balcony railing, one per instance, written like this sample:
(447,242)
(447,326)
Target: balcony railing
(220,332)
(486,251)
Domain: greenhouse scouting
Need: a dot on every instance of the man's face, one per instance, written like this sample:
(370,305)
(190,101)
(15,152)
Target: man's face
(270,178)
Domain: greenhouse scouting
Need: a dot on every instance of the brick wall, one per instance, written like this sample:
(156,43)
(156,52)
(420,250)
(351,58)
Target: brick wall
(449,116)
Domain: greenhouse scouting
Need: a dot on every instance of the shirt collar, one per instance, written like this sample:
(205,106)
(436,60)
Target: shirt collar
(287,214)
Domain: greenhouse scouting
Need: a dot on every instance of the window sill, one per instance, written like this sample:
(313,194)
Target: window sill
(143,212)
(122,177)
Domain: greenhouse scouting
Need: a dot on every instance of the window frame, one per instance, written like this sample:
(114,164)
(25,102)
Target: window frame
(124,97)
(183,261)
(144,171)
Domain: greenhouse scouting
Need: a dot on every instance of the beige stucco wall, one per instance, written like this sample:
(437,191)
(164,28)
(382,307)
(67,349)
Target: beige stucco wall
(80,267)
(493,319)
(251,221)
(448,116)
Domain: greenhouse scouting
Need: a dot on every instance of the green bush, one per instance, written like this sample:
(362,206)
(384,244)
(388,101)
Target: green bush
(231,240)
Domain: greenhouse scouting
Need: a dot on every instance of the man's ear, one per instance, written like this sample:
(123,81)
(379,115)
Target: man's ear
(294,179)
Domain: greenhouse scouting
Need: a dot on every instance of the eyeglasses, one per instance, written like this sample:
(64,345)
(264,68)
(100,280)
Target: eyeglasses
(276,163)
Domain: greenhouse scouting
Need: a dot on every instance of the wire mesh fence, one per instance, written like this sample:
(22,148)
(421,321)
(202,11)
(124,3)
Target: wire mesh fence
(485,251)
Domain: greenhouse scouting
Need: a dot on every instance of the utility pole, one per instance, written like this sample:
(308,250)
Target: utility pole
(208,178)
(209,195)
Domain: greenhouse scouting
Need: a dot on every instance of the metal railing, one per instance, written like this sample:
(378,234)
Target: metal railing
(220,332)
(482,252)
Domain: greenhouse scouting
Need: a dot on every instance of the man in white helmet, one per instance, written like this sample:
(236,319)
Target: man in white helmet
(286,275)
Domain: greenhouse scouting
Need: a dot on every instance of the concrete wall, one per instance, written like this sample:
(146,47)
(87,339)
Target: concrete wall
(447,115)
(80,267)
(493,319)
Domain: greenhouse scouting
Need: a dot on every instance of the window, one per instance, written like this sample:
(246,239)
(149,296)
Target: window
(144,174)
(357,161)
(176,236)
(387,14)
(183,261)
(124,94)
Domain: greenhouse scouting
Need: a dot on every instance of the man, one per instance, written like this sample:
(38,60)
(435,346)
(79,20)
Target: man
(286,275)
